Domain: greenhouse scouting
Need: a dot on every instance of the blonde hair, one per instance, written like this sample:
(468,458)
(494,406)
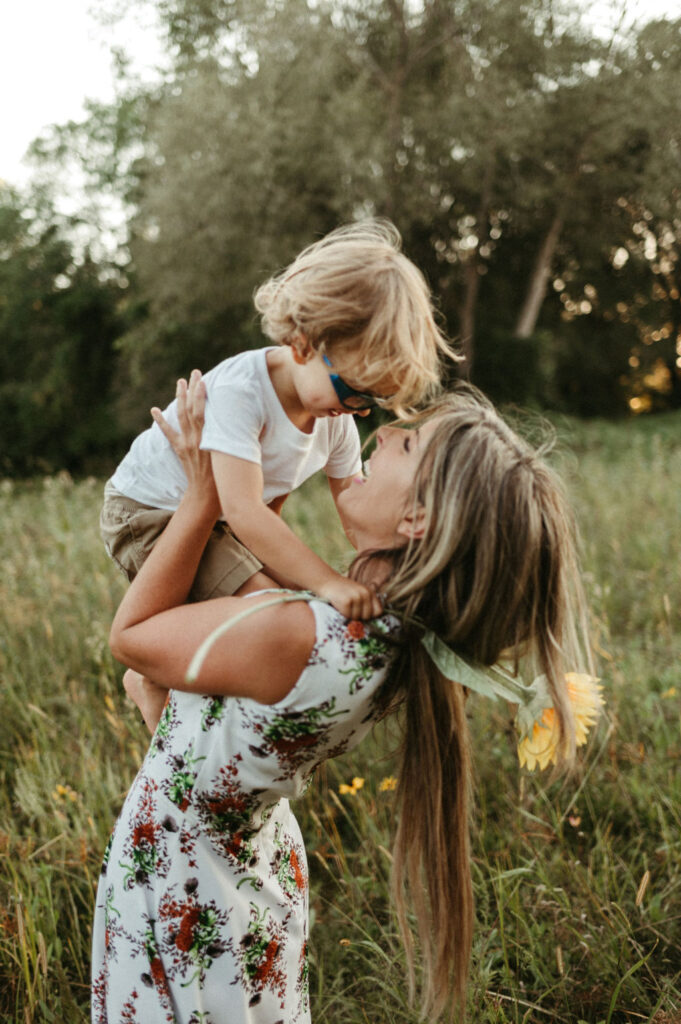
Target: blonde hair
(494,575)
(354,293)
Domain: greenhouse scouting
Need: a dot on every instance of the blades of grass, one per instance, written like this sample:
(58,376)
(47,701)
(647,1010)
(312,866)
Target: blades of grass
(632,970)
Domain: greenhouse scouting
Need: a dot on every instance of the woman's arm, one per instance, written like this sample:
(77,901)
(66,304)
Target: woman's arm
(260,657)
(156,634)
(167,575)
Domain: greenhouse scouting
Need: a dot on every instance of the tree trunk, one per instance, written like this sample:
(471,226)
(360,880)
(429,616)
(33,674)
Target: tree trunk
(467,317)
(472,275)
(396,86)
(536,290)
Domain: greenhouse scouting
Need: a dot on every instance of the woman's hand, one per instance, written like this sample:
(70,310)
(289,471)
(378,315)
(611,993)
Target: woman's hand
(191,405)
(157,633)
(165,579)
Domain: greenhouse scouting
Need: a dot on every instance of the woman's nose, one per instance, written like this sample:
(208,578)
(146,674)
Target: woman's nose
(362,412)
(383,433)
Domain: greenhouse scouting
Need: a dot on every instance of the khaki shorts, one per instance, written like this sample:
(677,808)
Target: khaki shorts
(130,530)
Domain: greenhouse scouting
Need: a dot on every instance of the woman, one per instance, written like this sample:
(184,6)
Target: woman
(202,907)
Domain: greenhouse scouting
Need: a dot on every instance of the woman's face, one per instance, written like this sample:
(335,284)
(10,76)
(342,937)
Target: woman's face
(374,506)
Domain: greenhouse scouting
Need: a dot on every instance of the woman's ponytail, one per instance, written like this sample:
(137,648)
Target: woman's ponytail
(431,867)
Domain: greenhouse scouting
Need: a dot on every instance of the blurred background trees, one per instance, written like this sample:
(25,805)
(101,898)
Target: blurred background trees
(532,166)
(58,323)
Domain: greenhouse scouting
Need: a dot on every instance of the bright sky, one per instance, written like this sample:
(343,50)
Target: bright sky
(54,54)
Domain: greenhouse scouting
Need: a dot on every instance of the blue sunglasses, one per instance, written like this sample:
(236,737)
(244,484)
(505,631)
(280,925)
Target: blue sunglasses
(349,398)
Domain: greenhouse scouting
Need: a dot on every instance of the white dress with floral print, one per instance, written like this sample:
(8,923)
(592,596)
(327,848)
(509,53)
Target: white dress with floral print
(201,913)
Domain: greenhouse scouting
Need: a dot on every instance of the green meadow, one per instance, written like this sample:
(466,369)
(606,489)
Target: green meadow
(578,880)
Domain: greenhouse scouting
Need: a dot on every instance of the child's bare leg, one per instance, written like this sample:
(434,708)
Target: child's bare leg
(148,697)
(258,581)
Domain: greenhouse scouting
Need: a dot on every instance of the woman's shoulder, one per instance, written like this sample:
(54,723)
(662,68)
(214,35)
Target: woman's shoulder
(346,657)
(312,624)
(276,647)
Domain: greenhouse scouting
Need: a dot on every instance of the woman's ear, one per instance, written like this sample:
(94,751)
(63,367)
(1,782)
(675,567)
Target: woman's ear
(301,349)
(413,524)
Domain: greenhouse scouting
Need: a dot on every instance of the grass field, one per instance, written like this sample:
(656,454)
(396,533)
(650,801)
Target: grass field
(578,882)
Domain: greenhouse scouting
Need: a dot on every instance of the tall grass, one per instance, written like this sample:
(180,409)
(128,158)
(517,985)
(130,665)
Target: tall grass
(578,882)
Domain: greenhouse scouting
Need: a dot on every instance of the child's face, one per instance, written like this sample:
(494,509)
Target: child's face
(321,396)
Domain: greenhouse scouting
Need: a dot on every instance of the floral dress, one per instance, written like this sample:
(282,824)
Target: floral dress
(201,914)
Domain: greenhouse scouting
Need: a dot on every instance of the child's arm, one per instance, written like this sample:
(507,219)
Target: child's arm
(240,486)
(336,486)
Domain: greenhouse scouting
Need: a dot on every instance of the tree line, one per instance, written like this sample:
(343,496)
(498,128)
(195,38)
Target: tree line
(531,163)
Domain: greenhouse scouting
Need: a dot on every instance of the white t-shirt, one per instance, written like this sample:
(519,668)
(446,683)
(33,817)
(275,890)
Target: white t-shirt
(245,418)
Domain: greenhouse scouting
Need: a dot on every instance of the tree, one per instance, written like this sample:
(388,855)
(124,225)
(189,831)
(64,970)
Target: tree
(272,128)
(505,141)
(245,164)
(58,323)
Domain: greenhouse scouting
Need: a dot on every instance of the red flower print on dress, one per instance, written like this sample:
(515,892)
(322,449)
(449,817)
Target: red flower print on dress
(155,977)
(98,996)
(226,815)
(213,795)
(167,725)
(303,980)
(297,873)
(129,1010)
(180,785)
(259,953)
(145,846)
(355,629)
(192,934)
(288,866)
(188,924)
(293,735)
(144,832)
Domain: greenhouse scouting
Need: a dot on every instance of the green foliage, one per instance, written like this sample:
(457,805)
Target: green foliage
(577,882)
(591,362)
(58,324)
(264,139)
(510,369)
(528,162)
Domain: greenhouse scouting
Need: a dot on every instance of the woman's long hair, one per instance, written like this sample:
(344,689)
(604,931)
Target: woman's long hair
(494,575)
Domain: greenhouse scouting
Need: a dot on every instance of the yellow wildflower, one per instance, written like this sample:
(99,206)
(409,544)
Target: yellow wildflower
(540,746)
(671,692)
(345,790)
(388,783)
(64,793)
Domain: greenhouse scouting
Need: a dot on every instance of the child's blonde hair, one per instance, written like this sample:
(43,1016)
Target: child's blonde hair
(354,292)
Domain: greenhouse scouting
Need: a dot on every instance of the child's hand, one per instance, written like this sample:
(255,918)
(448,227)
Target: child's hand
(352,599)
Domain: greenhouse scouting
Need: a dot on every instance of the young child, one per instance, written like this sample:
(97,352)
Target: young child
(354,327)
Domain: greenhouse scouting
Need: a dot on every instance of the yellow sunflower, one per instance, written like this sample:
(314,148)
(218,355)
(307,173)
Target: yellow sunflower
(540,745)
